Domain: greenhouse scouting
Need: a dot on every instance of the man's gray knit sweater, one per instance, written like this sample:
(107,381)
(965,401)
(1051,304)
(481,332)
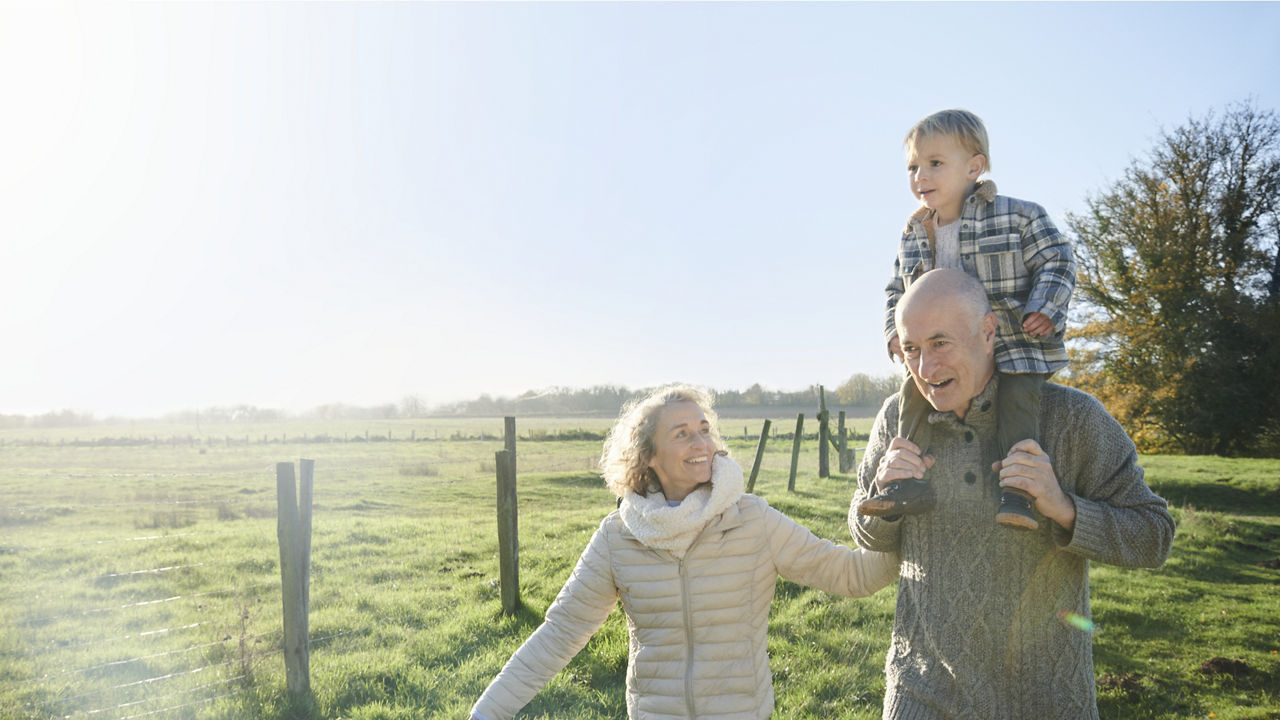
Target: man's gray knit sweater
(977,632)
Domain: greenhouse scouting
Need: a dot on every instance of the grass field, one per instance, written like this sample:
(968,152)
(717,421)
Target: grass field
(142,580)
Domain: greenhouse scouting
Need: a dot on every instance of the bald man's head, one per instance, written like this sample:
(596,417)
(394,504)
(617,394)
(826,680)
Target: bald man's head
(951,286)
(947,332)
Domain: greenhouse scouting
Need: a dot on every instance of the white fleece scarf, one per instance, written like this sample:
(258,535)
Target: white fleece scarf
(662,527)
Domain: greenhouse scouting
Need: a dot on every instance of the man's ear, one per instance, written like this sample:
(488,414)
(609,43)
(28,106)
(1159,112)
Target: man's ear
(990,325)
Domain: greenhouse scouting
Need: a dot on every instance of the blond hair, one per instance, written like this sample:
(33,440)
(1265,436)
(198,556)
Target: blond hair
(629,446)
(962,125)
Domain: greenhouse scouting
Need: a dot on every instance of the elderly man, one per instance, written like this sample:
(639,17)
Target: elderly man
(982,628)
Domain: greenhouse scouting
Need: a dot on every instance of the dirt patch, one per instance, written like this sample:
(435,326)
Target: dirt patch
(1224,666)
(1272,564)
(1128,683)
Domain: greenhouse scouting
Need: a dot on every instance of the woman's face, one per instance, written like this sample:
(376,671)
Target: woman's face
(682,449)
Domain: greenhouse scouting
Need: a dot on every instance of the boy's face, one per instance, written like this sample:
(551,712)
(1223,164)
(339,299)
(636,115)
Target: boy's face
(942,174)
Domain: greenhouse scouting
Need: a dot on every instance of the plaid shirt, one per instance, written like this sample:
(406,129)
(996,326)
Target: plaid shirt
(1024,263)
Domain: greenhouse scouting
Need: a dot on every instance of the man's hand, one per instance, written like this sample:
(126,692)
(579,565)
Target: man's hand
(1028,468)
(900,462)
(1037,324)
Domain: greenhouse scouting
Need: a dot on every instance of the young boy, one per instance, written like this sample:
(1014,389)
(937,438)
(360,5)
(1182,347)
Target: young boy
(1024,263)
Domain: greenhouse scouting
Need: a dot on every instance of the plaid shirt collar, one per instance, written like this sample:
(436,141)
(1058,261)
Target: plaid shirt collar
(985,190)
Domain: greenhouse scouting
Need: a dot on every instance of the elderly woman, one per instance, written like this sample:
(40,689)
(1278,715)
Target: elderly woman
(695,561)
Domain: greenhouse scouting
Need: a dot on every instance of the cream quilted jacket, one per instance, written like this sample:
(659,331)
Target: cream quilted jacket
(697,625)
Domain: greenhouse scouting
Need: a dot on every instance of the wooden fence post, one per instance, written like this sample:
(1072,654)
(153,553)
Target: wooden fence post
(509,440)
(824,434)
(795,452)
(755,467)
(293,530)
(844,445)
(306,491)
(508,536)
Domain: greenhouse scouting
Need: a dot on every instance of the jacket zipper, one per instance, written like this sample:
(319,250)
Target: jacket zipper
(688,639)
(688,628)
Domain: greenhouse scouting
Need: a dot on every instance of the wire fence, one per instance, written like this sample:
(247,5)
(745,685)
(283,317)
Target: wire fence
(106,644)
(145,581)
(98,620)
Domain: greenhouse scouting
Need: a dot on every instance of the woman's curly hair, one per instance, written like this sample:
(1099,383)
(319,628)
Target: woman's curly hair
(629,446)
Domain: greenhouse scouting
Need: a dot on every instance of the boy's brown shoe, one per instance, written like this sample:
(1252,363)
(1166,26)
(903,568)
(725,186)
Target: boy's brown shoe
(1015,510)
(908,497)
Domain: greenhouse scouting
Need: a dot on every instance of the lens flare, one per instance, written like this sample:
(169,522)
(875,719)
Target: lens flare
(1076,620)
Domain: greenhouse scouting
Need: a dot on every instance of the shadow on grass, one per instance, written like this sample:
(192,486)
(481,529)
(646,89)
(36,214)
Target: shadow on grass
(579,479)
(1222,550)
(1219,495)
(1141,625)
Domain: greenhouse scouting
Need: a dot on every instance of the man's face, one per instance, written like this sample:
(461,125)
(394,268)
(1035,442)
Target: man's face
(949,355)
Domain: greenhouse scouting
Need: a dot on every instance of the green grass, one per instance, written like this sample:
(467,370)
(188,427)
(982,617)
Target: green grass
(405,619)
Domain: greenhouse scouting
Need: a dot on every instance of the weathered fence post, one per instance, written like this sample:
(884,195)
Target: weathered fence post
(755,467)
(293,530)
(824,434)
(844,445)
(306,491)
(509,440)
(508,536)
(795,452)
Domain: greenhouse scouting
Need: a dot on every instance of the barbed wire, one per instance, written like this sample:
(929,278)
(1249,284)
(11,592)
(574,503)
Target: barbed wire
(181,673)
(147,633)
(153,503)
(112,541)
(28,588)
(96,611)
(530,463)
(189,648)
(179,707)
(165,697)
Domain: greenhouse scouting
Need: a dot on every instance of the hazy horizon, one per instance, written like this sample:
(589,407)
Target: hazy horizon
(398,402)
(288,205)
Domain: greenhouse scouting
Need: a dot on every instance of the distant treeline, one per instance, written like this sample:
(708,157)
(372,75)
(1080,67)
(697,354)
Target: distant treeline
(62,418)
(860,390)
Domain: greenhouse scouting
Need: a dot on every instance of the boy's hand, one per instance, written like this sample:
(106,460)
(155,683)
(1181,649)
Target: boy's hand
(895,348)
(1037,324)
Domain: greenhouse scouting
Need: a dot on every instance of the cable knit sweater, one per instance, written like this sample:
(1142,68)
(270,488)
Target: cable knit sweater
(697,603)
(977,632)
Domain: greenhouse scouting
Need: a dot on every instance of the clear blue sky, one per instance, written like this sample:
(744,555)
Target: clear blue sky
(291,204)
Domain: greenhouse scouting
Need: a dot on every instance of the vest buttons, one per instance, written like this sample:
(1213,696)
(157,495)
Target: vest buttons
(970,478)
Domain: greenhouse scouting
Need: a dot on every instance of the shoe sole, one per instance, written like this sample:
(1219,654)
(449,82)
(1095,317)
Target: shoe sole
(876,509)
(1017,521)
(882,508)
